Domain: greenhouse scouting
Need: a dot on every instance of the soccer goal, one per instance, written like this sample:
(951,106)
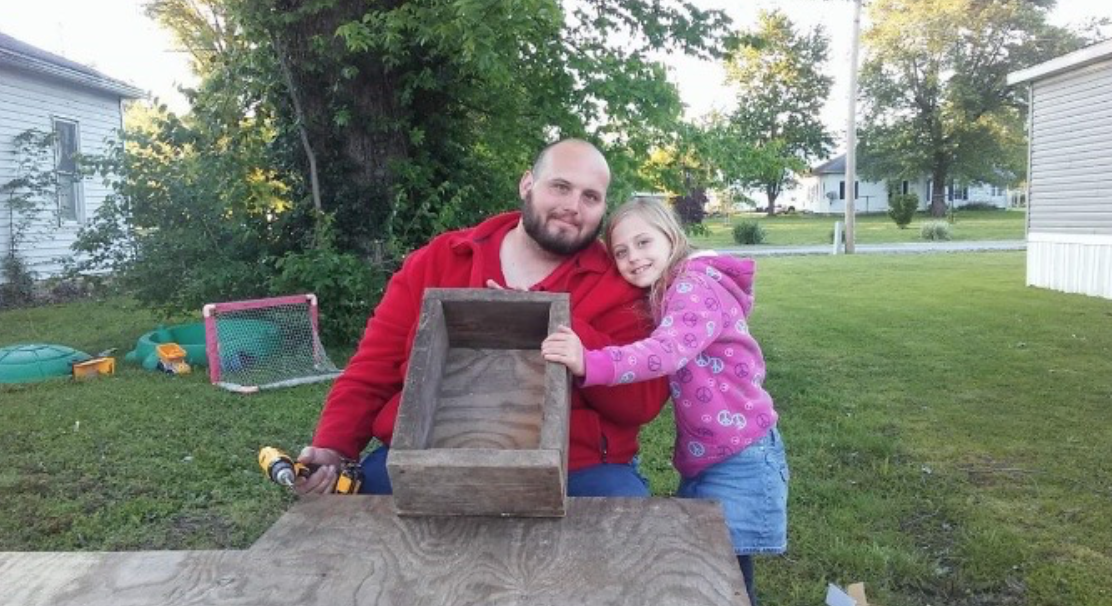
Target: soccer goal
(265,344)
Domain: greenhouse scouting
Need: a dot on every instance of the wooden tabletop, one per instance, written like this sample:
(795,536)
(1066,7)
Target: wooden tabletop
(341,550)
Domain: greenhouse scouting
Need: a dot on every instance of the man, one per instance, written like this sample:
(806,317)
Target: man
(551,245)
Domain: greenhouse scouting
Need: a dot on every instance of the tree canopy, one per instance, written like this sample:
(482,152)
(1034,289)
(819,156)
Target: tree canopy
(781,91)
(418,116)
(935,91)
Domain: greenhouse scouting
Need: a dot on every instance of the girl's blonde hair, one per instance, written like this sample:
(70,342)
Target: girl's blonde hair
(657,215)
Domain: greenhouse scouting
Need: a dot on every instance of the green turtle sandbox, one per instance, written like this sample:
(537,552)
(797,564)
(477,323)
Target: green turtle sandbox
(31,362)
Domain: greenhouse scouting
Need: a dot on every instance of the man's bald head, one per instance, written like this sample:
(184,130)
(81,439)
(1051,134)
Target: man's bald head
(576,146)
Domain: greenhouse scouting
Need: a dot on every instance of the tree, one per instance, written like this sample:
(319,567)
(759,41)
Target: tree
(420,113)
(423,112)
(781,90)
(419,116)
(935,91)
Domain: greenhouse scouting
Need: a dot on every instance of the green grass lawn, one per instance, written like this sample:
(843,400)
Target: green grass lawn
(797,229)
(948,431)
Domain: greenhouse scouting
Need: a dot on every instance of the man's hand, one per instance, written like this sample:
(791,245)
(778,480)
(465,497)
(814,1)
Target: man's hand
(327,463)
(564,347)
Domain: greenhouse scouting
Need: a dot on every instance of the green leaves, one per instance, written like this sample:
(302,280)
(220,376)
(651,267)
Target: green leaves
(781,90)
(421,116)
(934,83)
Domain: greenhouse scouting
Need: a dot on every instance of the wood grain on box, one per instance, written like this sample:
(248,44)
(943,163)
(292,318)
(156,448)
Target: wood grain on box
(482,427)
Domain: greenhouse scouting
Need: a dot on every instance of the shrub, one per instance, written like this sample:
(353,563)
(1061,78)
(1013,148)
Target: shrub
(901,208)
(18,288)
(749,232)
(935,231)
(690,209)
(346,285)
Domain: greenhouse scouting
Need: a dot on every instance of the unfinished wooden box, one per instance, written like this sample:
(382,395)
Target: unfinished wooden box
(482,427)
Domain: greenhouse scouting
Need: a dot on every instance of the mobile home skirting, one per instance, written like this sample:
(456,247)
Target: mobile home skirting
(1074,263)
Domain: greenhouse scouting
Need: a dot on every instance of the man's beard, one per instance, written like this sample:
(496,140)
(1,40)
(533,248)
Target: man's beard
(554,243)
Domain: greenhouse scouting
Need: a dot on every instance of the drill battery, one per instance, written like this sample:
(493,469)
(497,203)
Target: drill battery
(282,469)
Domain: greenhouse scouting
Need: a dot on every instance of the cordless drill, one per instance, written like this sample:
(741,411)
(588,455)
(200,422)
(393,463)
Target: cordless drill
(280,468)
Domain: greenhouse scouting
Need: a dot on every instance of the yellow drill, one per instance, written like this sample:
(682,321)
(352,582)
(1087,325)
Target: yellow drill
(280,468)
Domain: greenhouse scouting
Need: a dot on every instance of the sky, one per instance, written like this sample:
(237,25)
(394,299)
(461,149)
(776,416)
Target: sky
(115,37)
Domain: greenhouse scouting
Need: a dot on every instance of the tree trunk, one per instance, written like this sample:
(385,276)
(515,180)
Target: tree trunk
(355,156)
(938,190)
(772,193)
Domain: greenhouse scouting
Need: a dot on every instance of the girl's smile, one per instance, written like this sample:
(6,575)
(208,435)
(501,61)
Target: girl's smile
(640,251)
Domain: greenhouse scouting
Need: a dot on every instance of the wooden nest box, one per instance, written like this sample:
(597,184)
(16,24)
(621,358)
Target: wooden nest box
(482,427)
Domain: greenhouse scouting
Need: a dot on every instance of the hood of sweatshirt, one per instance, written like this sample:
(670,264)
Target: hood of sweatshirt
(732,273)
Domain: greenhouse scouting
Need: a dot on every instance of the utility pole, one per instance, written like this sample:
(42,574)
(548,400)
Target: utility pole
(851,130)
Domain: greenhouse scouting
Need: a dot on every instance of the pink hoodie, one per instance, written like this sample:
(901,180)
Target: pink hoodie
(716,368)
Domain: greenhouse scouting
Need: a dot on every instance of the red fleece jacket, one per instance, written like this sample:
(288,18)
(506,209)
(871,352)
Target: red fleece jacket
(606,310)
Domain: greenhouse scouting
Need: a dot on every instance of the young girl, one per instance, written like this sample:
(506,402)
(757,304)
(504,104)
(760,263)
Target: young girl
(727,445)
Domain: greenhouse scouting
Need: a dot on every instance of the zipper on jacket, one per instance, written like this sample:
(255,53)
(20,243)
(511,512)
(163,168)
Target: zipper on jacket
(603,445)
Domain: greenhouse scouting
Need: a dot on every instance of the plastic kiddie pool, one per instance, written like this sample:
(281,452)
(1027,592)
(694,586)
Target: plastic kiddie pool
(191,337)
(240,338)
(27,363)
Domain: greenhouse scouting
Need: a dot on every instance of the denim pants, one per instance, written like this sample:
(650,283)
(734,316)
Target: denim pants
(604,480)
(753,489)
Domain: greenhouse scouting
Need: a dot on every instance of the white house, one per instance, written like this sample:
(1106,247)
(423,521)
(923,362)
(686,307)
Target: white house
(1069,196)
(84,109)
(823,191)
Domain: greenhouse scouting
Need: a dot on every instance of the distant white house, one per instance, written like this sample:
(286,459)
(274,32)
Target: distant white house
(84,109)
(1069,196)
(823,191)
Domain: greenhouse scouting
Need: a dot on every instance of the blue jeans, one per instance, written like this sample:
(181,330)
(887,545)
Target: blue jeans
(753,489)
(604,480)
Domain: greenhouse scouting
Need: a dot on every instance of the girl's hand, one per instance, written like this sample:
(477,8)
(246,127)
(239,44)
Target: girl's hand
(497,286)
(564,347)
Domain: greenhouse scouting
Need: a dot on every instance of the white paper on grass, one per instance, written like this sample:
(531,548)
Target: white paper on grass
(836,597)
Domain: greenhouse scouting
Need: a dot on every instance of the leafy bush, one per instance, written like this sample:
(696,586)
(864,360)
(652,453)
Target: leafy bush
(749,232)
(935,231)
(347,287)
(18,288)
(901,208)
(690,209)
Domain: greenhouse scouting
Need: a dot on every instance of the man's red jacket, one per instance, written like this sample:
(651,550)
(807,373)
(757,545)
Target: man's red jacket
(605,309)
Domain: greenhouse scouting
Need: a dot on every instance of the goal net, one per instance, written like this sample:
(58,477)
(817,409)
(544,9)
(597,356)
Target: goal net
(265,344)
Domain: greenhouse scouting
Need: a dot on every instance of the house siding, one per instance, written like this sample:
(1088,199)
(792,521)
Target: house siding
(1071,167)
(33,101)
(1069,228)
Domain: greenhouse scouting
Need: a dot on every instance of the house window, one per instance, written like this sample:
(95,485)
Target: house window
(842,190)
(958,192)
(905,187)
(997,191)
(69,182)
